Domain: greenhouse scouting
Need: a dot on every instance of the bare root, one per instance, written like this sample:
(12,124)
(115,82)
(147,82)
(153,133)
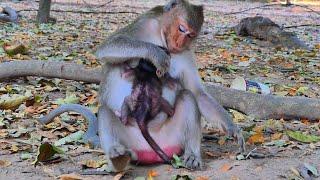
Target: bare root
(256,105)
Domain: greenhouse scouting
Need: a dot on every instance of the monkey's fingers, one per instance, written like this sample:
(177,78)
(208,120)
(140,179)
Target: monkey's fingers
(237,133)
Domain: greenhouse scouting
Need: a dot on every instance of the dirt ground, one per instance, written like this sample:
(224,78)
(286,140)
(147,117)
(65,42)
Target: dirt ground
(221,58)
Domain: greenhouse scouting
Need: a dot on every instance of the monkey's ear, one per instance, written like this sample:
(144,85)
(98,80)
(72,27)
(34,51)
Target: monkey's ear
(172,4)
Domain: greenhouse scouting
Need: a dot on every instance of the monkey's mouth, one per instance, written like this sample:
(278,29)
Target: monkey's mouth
(175,49)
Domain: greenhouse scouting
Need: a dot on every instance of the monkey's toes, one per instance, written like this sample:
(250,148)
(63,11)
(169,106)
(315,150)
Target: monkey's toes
(116,151)
(192,161)
(237,133)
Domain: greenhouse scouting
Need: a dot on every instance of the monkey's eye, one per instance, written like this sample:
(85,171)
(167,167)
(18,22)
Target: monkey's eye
(182,29)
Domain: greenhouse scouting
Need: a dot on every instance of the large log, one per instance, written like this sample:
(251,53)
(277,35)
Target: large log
(256,105)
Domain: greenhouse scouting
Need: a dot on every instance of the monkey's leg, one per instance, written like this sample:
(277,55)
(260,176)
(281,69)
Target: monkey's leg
(187,113)
(125,110)
(111,131)
(166,107)
(91,134)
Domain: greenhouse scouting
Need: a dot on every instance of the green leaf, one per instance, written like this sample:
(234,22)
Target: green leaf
(177,162)
(299,136)
(72,99)
(2,52)
(25,156)
(302,90)
(74,137)
(278,143)
(45,152)
(140,178)
(2,121)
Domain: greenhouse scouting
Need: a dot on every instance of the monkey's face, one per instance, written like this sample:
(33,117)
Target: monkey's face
(179,35)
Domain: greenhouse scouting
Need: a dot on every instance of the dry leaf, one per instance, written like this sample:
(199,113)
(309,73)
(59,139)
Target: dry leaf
(244,58)
(14,148)
(235,178)
(305,121)
(118,176)
(226,167)
(202,178)
(222,141)
(256,138)
(4,163)
(152,173)
(258,169)
(93,164)
(211,154)
(70,177)
(258,129)
(276,136)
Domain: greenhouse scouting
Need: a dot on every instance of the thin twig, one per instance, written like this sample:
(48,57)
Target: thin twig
(251,152)
(97,6)
(266,5)
(301,25)
(306,7)
(86,12)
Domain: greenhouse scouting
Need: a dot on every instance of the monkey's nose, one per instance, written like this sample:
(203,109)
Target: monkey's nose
(159,73)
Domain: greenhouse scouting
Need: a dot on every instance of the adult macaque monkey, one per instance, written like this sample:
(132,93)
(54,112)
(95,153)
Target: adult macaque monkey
(173,26)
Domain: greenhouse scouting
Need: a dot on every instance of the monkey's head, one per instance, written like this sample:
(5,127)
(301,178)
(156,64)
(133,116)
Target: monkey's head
(182,23)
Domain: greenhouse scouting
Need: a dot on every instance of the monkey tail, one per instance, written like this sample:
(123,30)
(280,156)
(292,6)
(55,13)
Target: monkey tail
(91,134)
(145,132)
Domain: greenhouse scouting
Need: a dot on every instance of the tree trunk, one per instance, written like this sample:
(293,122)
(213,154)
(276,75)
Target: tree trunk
(44,11)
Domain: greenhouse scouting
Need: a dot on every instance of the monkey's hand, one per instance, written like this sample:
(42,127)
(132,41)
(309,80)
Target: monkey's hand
(235,131)
(160,58)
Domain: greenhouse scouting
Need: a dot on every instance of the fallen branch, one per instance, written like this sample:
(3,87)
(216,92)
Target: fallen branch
(256,105)
(268,5)
(50,69)
(86,12)
(8,15)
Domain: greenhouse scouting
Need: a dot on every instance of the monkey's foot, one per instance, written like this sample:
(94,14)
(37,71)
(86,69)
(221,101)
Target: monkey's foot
(235,132)
(192,161)
(117,150)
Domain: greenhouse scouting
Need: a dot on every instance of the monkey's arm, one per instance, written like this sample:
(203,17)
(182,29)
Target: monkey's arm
(119,49)
(208,106)
(91,134)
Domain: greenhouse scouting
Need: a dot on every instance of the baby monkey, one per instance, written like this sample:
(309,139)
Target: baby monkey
(146,101)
